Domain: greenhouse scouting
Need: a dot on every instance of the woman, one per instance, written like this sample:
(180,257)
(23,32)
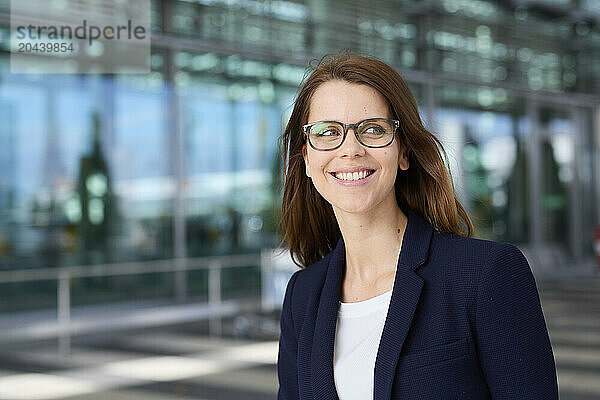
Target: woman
(395,300)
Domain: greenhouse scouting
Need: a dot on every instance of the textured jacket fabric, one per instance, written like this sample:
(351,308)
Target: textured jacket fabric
(464,322)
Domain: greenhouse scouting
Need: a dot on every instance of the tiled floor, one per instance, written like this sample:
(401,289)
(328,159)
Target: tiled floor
(153,365)
(572,311)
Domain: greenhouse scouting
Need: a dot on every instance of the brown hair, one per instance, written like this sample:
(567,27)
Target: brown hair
(310,229)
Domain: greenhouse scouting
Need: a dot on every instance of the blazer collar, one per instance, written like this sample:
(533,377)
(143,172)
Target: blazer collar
(405,296)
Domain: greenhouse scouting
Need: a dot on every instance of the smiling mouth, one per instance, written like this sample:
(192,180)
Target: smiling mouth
(355,176)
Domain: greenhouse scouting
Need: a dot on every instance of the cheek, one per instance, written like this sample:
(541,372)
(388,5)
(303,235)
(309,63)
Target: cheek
(319,169)
(317,163)
(390,157)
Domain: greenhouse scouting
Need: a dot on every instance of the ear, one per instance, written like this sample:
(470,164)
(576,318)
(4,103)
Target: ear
(305,156)
(403,160)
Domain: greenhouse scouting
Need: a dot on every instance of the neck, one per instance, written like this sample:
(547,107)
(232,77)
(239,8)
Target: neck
(372,240)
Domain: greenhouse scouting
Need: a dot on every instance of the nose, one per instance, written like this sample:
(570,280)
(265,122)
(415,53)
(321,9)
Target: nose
(351,146)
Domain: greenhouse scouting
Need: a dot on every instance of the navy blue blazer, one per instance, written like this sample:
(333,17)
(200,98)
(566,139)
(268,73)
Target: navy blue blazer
(464,322)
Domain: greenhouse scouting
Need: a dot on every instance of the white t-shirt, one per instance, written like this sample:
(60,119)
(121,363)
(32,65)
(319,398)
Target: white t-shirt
(357,336)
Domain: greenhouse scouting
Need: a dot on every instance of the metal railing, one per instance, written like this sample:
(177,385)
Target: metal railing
(64,275)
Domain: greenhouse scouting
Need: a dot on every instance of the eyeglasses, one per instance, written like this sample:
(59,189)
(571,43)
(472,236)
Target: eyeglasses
(372,132)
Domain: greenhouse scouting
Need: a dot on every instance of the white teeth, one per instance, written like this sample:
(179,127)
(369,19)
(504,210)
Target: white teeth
(351,176)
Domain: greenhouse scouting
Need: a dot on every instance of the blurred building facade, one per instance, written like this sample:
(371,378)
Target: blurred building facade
(183,162)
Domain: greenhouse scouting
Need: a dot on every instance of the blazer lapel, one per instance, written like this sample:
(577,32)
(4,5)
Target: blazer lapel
(405,296)
(325,326)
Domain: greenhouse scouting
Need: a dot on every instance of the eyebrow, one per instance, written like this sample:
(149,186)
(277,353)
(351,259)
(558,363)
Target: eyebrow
(339,122)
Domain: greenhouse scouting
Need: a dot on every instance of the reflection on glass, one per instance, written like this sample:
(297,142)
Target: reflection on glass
(231,134)
(557,163)
(487,158)
(79,188)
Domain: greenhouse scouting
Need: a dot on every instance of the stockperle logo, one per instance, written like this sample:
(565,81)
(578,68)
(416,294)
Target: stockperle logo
(79,36)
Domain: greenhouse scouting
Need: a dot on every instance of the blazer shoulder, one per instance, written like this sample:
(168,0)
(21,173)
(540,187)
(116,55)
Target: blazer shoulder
(307,286)
(445,240)
(452,244)
(454,238)
(313,275)
(472,255)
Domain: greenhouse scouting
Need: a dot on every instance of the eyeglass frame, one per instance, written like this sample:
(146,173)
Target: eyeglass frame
(395,123)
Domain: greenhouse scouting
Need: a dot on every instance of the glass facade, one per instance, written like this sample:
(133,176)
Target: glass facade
(182,162)
(483,128)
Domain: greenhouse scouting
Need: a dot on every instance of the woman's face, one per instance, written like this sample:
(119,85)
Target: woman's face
(349,103)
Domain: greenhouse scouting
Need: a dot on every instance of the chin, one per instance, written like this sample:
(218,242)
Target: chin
(352,208)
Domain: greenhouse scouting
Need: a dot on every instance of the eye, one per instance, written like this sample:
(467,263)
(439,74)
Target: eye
(373,130)
(326,130)
(329,132)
